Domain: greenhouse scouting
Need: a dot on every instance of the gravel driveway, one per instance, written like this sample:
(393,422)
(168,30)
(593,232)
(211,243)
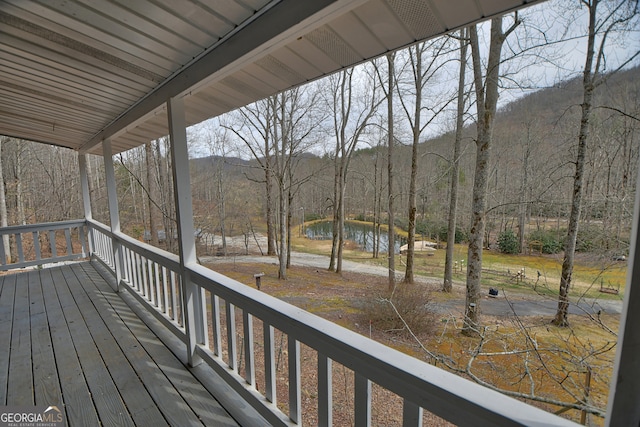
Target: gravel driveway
(502,305)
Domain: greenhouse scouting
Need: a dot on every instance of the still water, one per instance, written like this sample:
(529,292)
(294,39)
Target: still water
(362,234)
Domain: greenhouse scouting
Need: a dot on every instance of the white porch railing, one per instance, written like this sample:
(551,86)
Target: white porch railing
(153,276)
(43,243)
(151,272)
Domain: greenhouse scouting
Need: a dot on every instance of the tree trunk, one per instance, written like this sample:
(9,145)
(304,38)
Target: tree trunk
(222,209)
(455,168)
(390,214)
(289,223)
(486,104)
(524,192)
(282,245)
(271,229)
(411,237)
(340,221)
(166,193)
(280,142)
(3,208)
(377,195)
(561,317)
(335,211)
(151,184)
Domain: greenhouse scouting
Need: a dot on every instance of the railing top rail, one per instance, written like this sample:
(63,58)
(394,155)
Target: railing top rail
(443,393)
(152,253)
(14,229)
(100,226)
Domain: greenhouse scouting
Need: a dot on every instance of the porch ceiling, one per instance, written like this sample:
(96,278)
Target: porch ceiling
(73,72)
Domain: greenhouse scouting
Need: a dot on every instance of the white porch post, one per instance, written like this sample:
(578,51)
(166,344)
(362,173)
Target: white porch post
(194,301)
(86,197)
(623,408)
(114,214)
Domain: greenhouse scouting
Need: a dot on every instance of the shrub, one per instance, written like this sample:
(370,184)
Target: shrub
(460,236)
(508,242)
(412,303)
(423,228)
(312,216)
(550,243)
(402,223)
(591,238)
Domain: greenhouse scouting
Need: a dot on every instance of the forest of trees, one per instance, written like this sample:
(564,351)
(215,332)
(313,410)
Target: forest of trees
(329,149)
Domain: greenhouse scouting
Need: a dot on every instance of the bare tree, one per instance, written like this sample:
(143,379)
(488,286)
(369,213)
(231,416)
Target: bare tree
(351,117)
(293,126)
(423,71)
(18,159)
(218,144)
(617,16)
(167,201)
(524,197)
(3,207)
(455,164)
(487,93)
(255,130)
(301,120)
(390,143)
(151,197)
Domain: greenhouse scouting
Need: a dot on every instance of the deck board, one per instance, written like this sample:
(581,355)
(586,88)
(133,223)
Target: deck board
(130,387)
(111,409)
(7,292)
(76,344)
(20,384)
(191,390)
(150,365)
(46,383)
(78,404)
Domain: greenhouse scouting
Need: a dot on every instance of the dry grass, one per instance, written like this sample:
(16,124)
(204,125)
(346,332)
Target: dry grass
(499,270)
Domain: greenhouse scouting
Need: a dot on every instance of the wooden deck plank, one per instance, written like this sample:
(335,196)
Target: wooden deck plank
(177,411)
(20,384)
(141,406)
(111,409)
(208,410)
(47,391)
(78,404)
(7,292)
(200,400)
(206,407)
(89,353)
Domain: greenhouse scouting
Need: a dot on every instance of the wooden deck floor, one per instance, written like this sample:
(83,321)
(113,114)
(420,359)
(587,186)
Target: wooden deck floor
(69,341)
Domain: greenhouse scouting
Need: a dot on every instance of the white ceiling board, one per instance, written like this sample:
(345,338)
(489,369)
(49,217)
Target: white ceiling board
(73,72)
(383,24)
(458,13)
(314,56)
(351,28)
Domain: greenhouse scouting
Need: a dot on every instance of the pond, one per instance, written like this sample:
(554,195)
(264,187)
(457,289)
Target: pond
(361,234)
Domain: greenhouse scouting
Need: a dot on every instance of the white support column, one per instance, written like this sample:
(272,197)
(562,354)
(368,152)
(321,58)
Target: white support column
(623,408)
(86,197)
(194,302)
(114,214)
